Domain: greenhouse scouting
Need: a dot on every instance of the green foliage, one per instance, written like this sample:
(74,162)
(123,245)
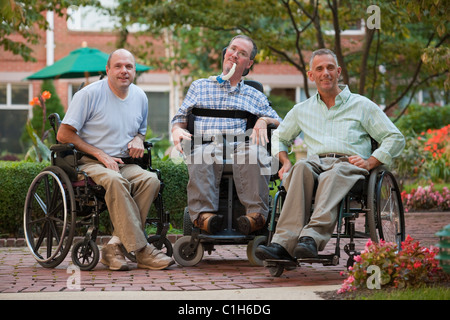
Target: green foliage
(175,178)
(27,19)
(426,293)
(419,161)
(383,265)
(287,31)
(282,105)
(52,105)
(16,178)
(419,118)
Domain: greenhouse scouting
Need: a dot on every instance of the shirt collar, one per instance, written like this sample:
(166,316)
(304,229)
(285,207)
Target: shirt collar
(237,88)
(342,97)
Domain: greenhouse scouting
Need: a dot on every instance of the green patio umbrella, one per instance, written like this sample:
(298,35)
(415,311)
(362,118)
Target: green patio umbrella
(80,63)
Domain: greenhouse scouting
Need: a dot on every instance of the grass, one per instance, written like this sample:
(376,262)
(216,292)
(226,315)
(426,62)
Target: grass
(437,186)
(424,293)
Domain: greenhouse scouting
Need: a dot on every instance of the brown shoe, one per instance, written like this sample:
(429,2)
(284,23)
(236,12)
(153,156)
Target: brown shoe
(209,222)
(151,258)
(113,258)
(251,222)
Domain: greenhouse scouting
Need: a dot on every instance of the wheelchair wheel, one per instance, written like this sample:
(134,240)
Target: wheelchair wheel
(251,248)
(276,271)
(184,253)
(49,216)
(85,256)
(386,208)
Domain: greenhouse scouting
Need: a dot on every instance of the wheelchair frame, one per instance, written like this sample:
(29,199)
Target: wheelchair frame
(379,200)
(58,202)
(189,249)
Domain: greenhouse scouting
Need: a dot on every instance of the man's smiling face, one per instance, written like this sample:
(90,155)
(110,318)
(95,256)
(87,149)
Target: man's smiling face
(121,71)
(325,73)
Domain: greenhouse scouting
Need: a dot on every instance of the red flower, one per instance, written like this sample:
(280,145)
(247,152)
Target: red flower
(46,95)
(35,102)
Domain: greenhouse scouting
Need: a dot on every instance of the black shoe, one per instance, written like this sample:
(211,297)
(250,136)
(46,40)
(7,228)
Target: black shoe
(272,251)
(306,248)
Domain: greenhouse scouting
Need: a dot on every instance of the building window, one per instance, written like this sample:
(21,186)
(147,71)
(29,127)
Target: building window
(3,90)
(20,94)
(14,112)
(158,113)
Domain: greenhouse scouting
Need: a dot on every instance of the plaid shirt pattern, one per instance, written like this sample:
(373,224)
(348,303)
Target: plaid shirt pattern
(205,93)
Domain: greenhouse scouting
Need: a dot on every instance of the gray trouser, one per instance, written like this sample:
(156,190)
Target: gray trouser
(334,179)
(129,195)
(251,174)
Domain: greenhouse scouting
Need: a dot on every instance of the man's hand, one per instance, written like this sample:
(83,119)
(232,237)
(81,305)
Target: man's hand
(108,161)
(178,135)
(368,164)
(136,147)
(286,164)
(259,134)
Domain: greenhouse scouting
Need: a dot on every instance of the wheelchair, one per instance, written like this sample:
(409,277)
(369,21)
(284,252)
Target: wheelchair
(189,249)
(376,199)
(62,198)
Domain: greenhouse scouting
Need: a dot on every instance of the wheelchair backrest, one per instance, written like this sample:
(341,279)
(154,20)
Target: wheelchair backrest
(63,155)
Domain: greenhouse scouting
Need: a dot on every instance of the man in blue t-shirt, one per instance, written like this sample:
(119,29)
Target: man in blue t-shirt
(108,121)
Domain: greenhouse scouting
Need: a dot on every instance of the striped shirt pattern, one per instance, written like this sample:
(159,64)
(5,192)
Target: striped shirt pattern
(205,93)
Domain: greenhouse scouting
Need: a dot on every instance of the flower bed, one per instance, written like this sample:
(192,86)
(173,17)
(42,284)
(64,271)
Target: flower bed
(426,198)
(382,265)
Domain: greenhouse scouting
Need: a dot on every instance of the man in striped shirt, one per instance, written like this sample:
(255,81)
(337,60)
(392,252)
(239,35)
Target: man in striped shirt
(204,161)
(337,127)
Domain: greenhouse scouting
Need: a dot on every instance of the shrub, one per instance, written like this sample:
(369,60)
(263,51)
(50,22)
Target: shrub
(420,118)
(426,156)
(410,267)
(425,198)
(16,178)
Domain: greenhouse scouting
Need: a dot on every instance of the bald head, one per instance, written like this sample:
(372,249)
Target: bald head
(120,51)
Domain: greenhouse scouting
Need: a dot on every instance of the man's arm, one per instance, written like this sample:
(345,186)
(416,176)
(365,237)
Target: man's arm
(286,164)
(136,146)
(368,164)
(179,133)
(68,134)
(259,134)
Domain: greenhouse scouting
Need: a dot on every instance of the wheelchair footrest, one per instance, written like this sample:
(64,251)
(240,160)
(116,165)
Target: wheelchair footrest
(325,259)
(269,263)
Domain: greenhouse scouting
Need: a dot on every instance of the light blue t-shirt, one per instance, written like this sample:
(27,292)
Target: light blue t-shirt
(104,120)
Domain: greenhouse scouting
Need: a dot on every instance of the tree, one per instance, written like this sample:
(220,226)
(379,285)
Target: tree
(288,30)
(26,19)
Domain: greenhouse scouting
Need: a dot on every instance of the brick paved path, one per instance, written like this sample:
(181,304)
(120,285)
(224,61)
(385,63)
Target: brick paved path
(226,268)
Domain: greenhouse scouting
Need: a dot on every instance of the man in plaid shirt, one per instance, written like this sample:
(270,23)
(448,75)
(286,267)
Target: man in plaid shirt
(205,162)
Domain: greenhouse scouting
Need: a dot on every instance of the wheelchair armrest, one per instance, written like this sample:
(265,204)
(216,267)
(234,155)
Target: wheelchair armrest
(62,147)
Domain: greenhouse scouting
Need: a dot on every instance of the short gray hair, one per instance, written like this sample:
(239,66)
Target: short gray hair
(321,52)
(254,50)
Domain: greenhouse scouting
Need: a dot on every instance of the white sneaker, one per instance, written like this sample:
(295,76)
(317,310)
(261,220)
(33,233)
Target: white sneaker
(151,258)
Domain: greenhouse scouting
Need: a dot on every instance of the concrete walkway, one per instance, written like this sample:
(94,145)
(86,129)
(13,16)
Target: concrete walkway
(225,274)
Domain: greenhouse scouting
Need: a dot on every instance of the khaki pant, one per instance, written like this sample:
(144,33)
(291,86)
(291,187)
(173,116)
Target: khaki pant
(334,179)
(129,195)
(251,174)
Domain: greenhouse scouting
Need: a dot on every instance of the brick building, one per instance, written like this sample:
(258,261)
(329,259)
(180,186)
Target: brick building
(16,91)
